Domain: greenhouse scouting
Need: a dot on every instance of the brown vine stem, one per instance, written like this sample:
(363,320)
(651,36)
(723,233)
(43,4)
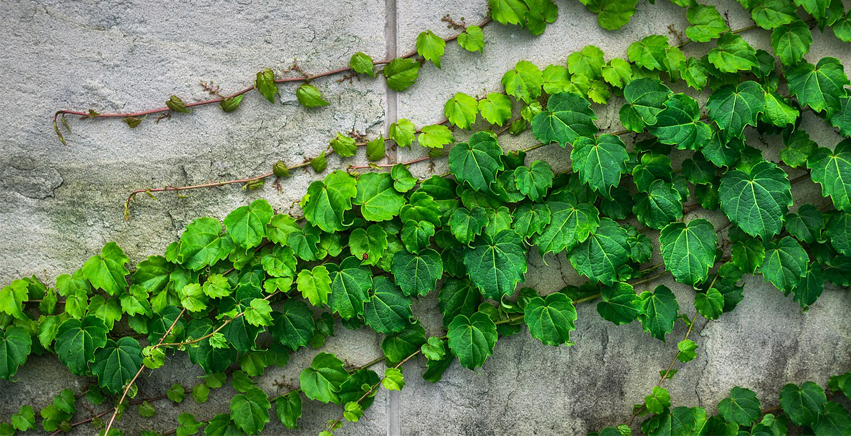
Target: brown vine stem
(302,78)
(138,373)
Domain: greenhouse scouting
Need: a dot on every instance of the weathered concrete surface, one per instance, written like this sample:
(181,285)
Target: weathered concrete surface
(58,205)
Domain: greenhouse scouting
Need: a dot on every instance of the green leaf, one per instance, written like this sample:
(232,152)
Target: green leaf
(377,198)
(741,407)
(495,108)
(679,124)
(496,263)
(416,235)
(388,310)
(769,14)
(293,324)
(343,145)
(645,99)
(435,136)
(280,227)
(309,96)
(250,411)
(362,63)
(524,81)
(620,305)
(23,420)
(803,404)
(649,52)
(417,273)
(834,420)
(778,111)
(457,297)
(467,224)
(756,201)
(567,118)
(551,319)
(810,287)
(658,401)
(399,346)
(689,250)
(711,304)
(476,161)
(617,72)
(508,11)
(314,285)
(686,349)
(434,349)
(706,23)
(601,255)
(350,287)
(76,342)
(392,380)
(571,223)
(203,244)
(326,202)
(13,296)
(534,181)
(734,107)
(230,104)
(588,62)
(612,14)
(368,245)
(659,312)
(832,170)
(733,54)
(472,339)
(117,363)
(210,358)
(106,270)
(403,132)
(430,47)
(288,408)
(321,381)
(791,42)
(839,232)
(600,161)
(247,224)
(805,225)
(660,205)
(401,73)
(461,110)
(222,425)
(841,119)
(260,313)
(375,149)
(472,39)
(819,86)
(747,254)
(265,84)
(785,263)
(15,346)
(530,220)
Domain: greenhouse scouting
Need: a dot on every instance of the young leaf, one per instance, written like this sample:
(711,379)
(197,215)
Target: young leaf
(361,63)
(472,39)
(733,54)
(230,104)
(588,62)
(649,52)
(309,96)
(472,339)
(203,244)
(613,14)
(247,224)
(326,202)
(551,319)
(434,349)
(495,108)
(435,136)
(403,132)
(368,244)
(315,285)
(430,47)
(265,84)
(401,73)
(769,14)
(706,23)
(689,250)
(524,81)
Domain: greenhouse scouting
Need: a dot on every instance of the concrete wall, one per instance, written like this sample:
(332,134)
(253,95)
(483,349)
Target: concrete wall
(60,204)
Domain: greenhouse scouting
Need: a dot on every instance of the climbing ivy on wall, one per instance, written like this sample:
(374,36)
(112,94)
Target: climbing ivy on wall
(371,242)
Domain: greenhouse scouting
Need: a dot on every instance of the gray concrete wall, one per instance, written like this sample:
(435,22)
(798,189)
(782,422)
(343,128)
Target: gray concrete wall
(59,205)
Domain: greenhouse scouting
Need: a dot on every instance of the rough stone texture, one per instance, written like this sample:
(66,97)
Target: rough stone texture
(59,205)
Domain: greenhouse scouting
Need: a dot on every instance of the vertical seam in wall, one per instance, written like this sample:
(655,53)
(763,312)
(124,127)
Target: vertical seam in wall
(394,426)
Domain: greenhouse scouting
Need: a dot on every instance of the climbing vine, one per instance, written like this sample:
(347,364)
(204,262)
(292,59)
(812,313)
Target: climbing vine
(374,238)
